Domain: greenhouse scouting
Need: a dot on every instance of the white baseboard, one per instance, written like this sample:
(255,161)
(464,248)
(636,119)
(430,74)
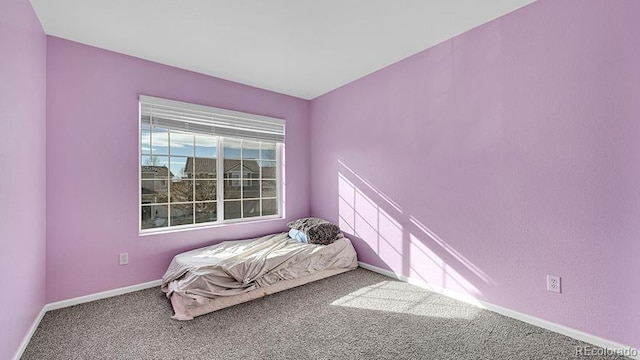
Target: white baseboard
(80,300)
(561,329)
(27,338)
(101,295)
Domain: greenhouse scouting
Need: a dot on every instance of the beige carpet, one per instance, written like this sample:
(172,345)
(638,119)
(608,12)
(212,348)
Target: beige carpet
(356,315)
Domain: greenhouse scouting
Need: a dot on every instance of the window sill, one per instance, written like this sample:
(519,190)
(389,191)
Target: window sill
(177,229)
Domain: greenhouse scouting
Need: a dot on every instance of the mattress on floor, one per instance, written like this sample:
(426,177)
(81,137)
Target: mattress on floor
(231,272)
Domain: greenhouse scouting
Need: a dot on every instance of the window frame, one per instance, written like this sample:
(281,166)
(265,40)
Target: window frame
(220,181)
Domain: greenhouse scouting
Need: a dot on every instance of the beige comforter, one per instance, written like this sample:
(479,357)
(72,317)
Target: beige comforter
(235,267)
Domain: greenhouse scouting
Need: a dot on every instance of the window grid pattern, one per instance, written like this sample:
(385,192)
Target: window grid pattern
(181,183)
(250,183)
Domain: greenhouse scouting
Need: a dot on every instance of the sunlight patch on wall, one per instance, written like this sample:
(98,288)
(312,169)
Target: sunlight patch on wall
(364,218)
(402,243)
(390,239)
(452,252)
(430,268)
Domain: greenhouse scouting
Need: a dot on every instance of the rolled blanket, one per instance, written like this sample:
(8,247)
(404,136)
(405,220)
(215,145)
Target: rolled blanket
(318,231)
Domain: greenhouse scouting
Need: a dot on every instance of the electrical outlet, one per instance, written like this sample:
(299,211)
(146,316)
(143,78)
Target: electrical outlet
(124,258)
(553,283)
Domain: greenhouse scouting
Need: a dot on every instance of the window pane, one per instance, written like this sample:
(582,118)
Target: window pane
(205,167)
(251,208)
(206,146)
(232,210)
(250,150)
(154,167)
(232,149)
(154,216)
(181,214)
(232,189)
(154,191)
(181,144)
(250,169)
(181,191)
(205,190)
(179,167)
(145,139)
(159,141)
(268,169)
(233,169)
(206,212)
(269,207)
(268,188)
(268,151)
(250,189)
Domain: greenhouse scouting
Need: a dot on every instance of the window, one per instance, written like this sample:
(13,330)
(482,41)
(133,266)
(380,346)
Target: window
(201,165)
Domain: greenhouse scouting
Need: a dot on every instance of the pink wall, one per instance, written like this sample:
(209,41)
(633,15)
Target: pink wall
(490,160)
(92,160)
(22,179)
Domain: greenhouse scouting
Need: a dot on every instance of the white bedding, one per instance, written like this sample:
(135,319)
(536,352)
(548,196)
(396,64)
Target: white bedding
(236,267)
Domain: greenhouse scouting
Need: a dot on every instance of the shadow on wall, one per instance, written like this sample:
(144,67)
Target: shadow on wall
(387,237)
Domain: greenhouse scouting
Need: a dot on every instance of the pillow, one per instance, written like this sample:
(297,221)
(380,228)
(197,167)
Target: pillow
(298,235)
(318,231)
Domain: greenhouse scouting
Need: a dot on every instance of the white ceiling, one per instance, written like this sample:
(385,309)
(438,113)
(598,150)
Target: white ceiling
(302,48)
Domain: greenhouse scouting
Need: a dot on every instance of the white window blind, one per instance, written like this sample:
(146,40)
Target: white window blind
(199,119)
